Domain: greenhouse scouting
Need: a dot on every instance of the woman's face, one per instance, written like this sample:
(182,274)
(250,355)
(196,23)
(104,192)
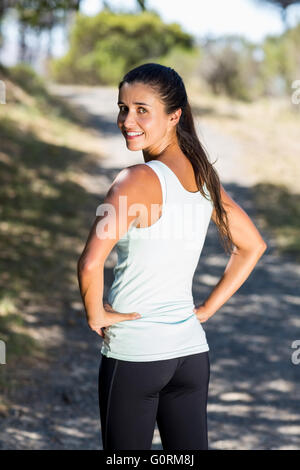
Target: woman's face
(140,110)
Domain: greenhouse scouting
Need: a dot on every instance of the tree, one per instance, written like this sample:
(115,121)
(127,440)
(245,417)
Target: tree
(4,6)
(283,5)
(37,15)
(41,15)
(103,47)
(142,4)
(229,66)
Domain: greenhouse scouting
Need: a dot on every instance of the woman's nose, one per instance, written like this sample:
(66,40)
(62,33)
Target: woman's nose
(129,120)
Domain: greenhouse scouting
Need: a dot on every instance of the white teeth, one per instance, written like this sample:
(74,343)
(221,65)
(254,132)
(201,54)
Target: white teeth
(134,133)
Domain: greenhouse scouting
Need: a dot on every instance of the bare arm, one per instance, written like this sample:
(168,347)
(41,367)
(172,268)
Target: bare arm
(248,246)
(90,266)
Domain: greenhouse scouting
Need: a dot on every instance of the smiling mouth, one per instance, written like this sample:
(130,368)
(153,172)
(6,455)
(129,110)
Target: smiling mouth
(132,136)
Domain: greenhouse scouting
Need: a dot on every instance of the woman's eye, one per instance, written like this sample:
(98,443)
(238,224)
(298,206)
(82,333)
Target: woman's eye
(121,109)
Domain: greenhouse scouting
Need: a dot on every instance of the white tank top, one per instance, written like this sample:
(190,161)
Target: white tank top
(154,275)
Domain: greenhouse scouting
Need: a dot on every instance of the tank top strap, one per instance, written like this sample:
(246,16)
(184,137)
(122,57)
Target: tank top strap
(161,173)
(174,191)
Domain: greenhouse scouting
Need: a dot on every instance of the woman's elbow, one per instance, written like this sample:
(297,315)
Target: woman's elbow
(84,264)
(261,247)
(87,265)
(255,249)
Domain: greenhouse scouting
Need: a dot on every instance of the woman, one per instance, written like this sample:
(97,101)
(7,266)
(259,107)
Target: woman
(155,363)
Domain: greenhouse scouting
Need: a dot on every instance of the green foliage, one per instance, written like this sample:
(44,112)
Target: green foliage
(280,212)
(24,76)
(184,61)
(40,14)
(104,47)
(229,66)
(232,66)
(282,59)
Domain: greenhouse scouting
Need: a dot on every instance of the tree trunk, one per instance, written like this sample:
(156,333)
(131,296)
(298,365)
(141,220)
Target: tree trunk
(22,42)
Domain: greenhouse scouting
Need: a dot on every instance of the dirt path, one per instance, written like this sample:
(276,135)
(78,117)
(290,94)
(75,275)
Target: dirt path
(253,401)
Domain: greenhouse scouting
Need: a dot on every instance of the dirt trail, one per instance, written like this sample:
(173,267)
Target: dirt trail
(253,401)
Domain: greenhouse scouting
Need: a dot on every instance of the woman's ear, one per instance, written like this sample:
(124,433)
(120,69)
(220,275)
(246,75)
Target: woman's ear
(176,116)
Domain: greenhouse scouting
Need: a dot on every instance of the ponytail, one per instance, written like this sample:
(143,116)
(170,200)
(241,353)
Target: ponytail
(204,172)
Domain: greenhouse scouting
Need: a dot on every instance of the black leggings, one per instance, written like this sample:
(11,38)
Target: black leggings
(173,392)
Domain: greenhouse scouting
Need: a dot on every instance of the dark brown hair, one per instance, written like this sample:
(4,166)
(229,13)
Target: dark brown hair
(169,86)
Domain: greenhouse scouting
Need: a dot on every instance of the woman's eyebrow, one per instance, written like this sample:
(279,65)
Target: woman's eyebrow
(137,102)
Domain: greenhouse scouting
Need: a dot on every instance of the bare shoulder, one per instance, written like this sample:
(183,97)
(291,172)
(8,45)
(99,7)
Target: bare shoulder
(136,180)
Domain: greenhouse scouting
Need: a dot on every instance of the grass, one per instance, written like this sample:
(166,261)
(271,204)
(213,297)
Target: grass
(279,210)
(45,211)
